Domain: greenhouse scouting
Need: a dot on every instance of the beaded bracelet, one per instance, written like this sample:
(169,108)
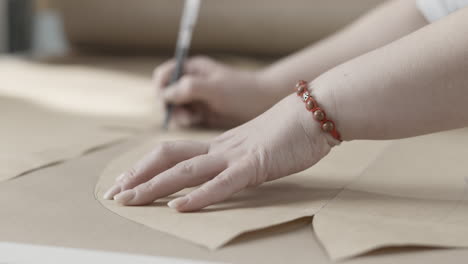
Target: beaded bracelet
(328,126)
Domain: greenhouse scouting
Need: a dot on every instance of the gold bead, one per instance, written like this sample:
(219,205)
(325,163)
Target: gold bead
(328,126)
(319,115)
(309,105)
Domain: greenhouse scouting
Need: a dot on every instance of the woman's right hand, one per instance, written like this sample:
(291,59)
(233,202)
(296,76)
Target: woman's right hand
(213,95)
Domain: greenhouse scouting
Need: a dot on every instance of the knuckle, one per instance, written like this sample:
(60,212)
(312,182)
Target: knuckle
(218,140)
(200,192)
(130,175)
(146,187)
(224,181)
(185,167)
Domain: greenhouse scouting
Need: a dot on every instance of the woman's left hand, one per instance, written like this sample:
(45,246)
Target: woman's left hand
(282,141)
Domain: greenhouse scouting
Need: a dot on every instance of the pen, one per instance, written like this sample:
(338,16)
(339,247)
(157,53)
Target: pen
(187,24)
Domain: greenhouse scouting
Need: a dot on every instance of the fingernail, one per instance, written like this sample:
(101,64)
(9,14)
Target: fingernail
(125,197)
(177,203)
(112,192)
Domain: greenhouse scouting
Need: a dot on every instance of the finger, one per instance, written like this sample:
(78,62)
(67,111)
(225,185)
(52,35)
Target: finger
(163,157)
(186,117)
(196,65)
(162,74)
(187,90)
(223,186)
(189,173)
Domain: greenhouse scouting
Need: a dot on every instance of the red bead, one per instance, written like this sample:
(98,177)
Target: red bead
(300,90)
(319,115)
(301,87)
(310,105)
(328,126)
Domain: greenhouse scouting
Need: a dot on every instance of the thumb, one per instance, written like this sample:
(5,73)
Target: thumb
(187,90)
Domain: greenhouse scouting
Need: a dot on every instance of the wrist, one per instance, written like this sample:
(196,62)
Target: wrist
(300,133)
(314,134)
(320,105)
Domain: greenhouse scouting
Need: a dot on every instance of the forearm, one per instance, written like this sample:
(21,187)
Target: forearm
(386,23)
(416,85)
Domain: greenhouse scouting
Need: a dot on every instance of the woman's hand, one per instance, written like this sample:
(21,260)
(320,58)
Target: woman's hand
(213,95)
(282,141)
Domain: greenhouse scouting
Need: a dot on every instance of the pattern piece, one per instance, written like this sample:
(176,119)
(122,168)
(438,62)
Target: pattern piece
(415,193)
(51,113)
(33,137)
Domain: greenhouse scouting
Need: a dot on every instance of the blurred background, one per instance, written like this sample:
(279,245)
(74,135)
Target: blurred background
(31,28)
(256,28)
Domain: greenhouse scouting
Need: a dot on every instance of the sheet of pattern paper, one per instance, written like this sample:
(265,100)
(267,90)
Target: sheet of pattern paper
(124,99)
(415,193)
(32,137)
(273,203)
(52,112)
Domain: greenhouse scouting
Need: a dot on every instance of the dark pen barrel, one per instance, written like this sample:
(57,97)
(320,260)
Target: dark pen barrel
(180,55)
